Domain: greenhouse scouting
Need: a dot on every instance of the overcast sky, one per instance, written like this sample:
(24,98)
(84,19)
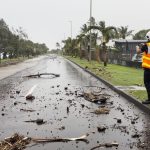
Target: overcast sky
(48,21)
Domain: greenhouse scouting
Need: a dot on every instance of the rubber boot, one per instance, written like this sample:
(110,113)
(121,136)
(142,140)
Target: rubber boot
(148,100)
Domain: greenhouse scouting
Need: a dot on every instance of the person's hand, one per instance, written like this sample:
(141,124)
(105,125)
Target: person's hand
(138,50)
(140,45)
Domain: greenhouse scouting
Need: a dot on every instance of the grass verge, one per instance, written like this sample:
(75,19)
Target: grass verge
(5,62)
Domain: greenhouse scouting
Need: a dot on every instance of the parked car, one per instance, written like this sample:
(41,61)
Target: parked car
(137,58)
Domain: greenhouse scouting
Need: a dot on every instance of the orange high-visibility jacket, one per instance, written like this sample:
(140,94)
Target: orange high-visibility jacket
(146,57)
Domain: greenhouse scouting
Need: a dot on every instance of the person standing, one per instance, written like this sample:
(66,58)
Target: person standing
(145,49)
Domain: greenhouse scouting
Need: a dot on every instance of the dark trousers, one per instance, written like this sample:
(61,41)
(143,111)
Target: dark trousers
(147,81)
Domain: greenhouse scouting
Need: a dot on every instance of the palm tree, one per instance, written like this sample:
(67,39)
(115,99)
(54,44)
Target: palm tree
(70,46)
(67,46)
(84,37)
(123,32)
(84,29)
(58,45)
(140,35)
(80,42)
(106,35)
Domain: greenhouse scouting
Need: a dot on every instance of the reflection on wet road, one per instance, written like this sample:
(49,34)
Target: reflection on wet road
(66,114)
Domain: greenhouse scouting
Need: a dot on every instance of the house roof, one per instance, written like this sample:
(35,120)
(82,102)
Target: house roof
(130,41)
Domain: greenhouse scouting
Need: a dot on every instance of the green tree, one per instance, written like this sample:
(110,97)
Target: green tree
(84,37)
(58,45)
(123,32)
(70,46)
(140,35)
(5,35)
(106,35)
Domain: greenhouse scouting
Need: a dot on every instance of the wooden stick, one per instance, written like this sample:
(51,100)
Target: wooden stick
(40,74)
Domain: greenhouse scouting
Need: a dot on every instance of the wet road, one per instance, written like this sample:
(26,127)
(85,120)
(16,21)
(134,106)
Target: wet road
(52,98)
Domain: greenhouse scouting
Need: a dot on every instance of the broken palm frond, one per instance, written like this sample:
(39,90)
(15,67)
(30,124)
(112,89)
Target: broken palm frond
(27,110)
(37,121)
(107,145)
(102,111)
(40,74)
(81,138)
(19,142)
(16,142)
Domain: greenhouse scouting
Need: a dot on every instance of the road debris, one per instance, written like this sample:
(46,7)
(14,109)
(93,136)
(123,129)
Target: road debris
(95,98)
(101,128)
(62,128)
(37,121)
(102,111)
(19,142)
(136,135)
(67,110)
(27,110)
(66,88)
(29,95)
(11,96)
(121,128)
(81,138)
(16,103)
(106,145)
(15,142)
(41,74)
(18,92)
(93,94)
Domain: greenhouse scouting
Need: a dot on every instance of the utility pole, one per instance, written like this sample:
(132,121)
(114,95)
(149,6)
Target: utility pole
(90,30)
(70,29)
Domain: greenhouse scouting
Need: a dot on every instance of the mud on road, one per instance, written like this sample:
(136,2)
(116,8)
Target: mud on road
(63,107)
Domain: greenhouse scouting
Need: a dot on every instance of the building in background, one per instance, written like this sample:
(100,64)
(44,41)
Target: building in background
(124,53)
(127,48)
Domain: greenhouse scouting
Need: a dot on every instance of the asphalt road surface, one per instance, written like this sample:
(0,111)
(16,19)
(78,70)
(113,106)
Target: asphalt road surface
(65,113)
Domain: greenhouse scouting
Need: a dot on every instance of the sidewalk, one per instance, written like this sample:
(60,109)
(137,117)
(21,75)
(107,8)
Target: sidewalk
(12,69)
(127,88)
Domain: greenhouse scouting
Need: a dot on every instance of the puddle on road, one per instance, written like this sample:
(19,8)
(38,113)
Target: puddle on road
(66,115)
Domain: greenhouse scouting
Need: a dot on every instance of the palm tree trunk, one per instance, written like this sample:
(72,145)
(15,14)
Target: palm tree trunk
(98,54)
(105,54)
(80,51)
(105,58)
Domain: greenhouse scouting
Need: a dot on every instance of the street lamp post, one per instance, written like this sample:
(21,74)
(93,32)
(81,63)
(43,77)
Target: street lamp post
(70,29)
(90,30)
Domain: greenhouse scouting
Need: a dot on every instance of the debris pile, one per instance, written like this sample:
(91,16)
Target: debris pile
(15,142)
(102,111)
(95,98)
(94,94)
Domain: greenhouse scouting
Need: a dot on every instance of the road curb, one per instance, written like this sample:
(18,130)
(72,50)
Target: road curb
(125,95)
